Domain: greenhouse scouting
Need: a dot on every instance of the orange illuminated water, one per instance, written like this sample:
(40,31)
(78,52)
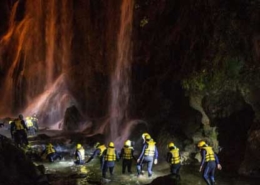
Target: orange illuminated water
(38,46)
(120,80)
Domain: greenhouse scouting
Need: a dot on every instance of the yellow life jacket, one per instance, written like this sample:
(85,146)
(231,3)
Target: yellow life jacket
(101,148)
(50,149)
(110,155)
(29,122)
(175,156)
(18,125)
(150,150)
(82,153)
(210,155)
(127,153)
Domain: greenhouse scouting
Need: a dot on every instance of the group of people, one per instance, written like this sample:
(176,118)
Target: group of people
(19,129)
(109,155)
(149,155)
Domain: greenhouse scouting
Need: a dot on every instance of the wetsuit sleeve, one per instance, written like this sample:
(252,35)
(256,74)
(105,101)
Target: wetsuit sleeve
(156,153)
(95,153)
(132,153)
(103,155)
(169,156)
(203,154)
(142,153)
(216,158)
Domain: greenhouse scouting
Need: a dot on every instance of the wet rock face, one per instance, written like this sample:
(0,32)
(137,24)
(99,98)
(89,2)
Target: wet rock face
(15,168)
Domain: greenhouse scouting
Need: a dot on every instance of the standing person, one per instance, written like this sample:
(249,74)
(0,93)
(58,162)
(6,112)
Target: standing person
(209,162)
(79,155)
(148,155)
(127,153)
(99,149)
(18,131)
(35,122)
(109,157)
(30,126)
(51,153)
(173,157)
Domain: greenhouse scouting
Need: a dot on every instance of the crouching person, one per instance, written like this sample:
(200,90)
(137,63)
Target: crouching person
(109,156)
(79,155)
(51,153)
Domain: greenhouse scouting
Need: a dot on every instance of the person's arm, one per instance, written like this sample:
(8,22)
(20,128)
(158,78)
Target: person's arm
(155,155)
(203,154)
(142,153)
(132,153)
(217,162)
(169,156)
(95,153)
(103,156)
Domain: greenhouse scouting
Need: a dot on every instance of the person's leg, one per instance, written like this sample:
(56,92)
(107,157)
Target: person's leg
(101,163)
(178,171)
(139,168)
(123,166)
(104,170)
(50,157)
(111,170)
(24,137)
(17,138)
(212,172)
(33,131)
(149,167)
(206,174)
(56,156)
(129,166)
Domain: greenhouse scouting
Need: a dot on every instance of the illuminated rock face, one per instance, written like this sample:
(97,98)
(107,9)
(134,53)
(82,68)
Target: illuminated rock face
(56,54)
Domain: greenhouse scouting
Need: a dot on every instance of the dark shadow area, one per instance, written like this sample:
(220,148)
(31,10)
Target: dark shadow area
(233,136)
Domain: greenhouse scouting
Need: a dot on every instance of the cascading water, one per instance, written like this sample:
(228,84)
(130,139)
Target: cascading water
(120,80)
(38,48)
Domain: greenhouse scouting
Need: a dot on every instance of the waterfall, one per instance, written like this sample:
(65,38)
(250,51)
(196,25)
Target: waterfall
(38,46)
(120,79)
